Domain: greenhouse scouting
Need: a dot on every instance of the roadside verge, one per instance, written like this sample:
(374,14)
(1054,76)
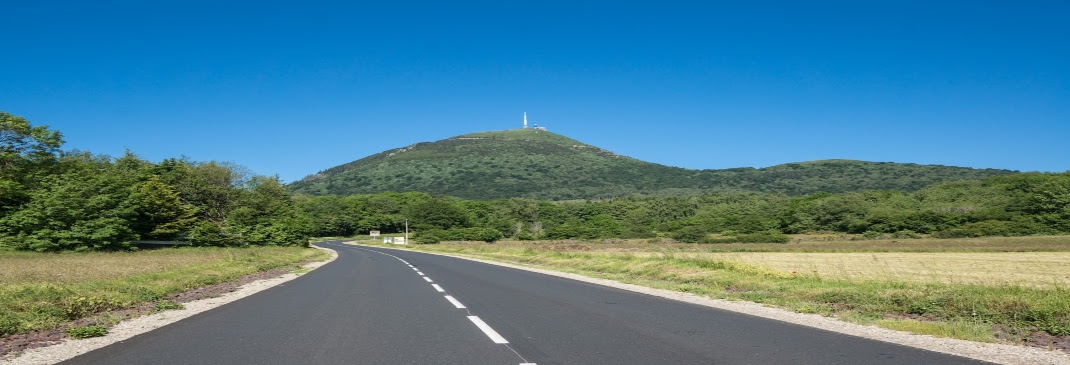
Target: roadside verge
(70,348)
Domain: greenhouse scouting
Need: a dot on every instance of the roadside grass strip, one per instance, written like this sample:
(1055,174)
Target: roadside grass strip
(42,291)
(976,310)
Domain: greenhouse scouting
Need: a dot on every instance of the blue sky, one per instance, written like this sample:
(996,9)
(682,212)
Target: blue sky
(291,88)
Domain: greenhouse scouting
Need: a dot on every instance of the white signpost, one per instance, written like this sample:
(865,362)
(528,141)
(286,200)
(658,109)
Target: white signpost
(374,233)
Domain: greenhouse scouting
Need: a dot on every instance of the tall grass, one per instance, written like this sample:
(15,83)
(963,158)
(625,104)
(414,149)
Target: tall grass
(43,290)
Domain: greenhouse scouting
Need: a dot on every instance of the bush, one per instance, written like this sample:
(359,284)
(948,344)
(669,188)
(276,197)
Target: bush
(428,237)
(905,234)
(760,237)
(995,228)
(87,331)
(690,234)
(873,234)
(167,305)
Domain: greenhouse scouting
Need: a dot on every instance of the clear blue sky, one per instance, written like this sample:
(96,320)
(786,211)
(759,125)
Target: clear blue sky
(291,88)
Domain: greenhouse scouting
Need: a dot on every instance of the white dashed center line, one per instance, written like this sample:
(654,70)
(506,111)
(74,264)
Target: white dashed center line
(494,336)
(483,326)
(455,302)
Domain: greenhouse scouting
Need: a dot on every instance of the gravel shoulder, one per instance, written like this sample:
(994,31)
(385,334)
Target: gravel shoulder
(991,352)
(50,347)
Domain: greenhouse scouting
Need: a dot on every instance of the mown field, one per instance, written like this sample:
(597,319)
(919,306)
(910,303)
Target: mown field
(1001,289)
(41,291)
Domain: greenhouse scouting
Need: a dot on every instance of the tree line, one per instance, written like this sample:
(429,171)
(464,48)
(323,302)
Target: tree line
(1010,205)
(55,200)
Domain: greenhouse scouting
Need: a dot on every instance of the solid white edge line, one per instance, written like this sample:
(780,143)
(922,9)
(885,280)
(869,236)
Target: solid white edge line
(455,302)
(494,336)
(439,288)
(428,279)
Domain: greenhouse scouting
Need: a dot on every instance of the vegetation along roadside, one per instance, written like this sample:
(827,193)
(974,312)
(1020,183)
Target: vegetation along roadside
(53,292)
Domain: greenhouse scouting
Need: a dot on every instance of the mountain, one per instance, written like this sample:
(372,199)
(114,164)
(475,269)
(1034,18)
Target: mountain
(534,163)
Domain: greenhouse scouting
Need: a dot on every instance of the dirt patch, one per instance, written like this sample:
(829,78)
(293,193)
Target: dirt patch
(24,341)
(1033,338)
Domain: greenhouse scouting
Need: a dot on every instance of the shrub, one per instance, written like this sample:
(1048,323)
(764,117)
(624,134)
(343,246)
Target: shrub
(905,234)
(426,239)
(872,234)
(760,237)
(690,234)
(167,305)
(87,331)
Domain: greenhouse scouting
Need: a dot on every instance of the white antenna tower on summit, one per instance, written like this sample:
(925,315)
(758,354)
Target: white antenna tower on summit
(525,120)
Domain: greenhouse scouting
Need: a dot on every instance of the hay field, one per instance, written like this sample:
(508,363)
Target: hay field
(1035,269)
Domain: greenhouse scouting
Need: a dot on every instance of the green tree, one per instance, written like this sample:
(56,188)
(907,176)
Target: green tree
(161,215)
(88,207)
(25,151)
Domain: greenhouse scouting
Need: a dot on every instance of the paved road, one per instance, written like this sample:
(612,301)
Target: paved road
(370,307)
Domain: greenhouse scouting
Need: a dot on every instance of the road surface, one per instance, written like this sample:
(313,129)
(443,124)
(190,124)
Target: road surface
(382,306)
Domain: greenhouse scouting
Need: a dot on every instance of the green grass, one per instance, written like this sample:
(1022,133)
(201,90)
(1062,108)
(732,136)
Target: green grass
(970,312)
(40,291)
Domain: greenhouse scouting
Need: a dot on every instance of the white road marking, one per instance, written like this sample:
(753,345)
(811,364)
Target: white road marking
(415,269)
(421,274)
(455,302)
(428,279)
(439,288)
(494,336)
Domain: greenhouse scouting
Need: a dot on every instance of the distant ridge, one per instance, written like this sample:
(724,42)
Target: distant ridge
(539,164)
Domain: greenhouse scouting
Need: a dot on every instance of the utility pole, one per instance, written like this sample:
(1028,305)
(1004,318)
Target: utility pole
(406,231)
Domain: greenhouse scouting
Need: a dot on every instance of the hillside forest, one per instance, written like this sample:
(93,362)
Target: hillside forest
(55,200)
(1012,205)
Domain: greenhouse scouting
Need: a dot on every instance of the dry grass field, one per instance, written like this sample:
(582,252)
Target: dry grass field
(1036,269)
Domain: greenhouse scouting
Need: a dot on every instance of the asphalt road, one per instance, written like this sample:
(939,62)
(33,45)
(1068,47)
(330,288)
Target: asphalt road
(370,307)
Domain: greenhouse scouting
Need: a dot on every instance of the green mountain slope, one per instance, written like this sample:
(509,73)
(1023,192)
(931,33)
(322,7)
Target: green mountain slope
(539,164)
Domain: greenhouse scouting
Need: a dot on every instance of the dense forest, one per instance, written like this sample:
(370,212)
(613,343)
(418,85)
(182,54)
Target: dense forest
(528,163)
(1011,205)
(54,200)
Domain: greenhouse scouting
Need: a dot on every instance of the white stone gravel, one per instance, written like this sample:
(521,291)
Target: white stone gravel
(136,326)
(996,353)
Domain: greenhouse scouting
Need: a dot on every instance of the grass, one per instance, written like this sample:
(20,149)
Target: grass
(40,291)
(968,289)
